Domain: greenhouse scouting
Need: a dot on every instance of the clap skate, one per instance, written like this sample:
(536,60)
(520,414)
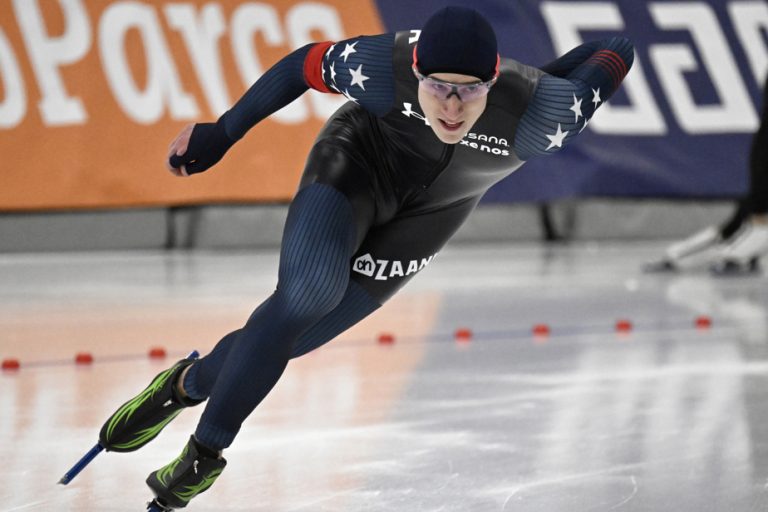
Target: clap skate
(191,473)
(688,249)
(141,419)
(741,256)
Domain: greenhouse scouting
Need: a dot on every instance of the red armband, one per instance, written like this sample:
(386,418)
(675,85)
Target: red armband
(313,66)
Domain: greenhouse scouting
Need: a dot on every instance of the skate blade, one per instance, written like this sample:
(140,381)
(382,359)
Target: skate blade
(660,267)
(731,268)
(156,506)
(80,465)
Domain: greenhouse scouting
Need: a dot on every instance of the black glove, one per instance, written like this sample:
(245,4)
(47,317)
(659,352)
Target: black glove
(207,145)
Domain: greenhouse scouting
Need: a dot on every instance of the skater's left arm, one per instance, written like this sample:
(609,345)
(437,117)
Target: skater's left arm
(569,93)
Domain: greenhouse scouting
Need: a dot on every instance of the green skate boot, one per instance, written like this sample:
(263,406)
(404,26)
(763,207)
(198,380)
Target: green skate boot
(190,474)
(140,420)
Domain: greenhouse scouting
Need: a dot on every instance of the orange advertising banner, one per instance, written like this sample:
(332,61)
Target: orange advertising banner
(92,92)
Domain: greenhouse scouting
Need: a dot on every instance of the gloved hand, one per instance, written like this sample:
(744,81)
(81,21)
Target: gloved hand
(198,147)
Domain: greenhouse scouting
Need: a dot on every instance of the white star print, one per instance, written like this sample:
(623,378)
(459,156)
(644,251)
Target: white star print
(348,50)
(358,77)
(586,122)
(556,140)
(328,53)
(576,109)
(333,72)
(596,97)
(349,96)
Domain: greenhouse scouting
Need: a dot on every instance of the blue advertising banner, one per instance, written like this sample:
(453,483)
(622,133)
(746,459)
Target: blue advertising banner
(681,124)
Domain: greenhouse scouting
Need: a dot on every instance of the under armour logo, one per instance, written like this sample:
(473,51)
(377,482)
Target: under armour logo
(408,112)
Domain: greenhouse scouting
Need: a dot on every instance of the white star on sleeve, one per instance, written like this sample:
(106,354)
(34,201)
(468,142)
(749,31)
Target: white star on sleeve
(556,140)
(586,122)
(348,50)
(333,72)
(576,109)
(349,96)
(328,53)
(596,97)
(358,77)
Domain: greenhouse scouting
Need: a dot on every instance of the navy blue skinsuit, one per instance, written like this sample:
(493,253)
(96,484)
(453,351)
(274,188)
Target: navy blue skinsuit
(381,194)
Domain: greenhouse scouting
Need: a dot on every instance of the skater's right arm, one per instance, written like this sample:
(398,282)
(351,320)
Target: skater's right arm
(360,68)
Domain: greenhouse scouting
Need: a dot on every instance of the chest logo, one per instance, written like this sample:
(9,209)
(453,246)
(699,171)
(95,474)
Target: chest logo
(496,146)
(409,112)
(487,143)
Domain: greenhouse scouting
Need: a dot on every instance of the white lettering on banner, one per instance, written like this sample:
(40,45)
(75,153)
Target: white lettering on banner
(148,105)
(248,20)
(203,28)
(201,33)
(14,106)
(642,116)
(751,21)
(47,54)
(735,112)
(301,21)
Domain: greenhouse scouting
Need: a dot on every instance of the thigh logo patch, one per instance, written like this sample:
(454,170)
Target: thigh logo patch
(381,270)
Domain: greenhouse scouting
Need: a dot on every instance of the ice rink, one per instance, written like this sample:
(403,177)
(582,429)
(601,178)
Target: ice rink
(665,417)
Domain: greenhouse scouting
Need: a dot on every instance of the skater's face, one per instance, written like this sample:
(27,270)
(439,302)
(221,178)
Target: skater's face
(450,116)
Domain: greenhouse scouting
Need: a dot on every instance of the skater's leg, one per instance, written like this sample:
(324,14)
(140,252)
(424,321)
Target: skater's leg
(199,378)
(319,239)
(727,240)
(756,201)
(734,223)
(356,305)
(749,243)
(758,164)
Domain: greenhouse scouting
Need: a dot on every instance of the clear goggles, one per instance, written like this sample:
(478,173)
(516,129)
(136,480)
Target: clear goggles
(443,90)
